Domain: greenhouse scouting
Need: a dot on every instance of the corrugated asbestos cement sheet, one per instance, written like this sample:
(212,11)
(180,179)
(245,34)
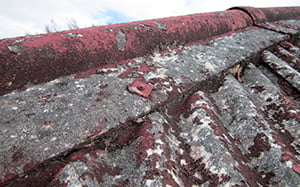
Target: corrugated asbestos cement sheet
(220,112)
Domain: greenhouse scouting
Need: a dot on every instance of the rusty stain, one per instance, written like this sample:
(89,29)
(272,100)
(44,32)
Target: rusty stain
(140,88)
(237,71)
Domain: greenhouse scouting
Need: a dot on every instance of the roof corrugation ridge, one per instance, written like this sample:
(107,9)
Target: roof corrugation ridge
(282,68)
(288,57)
(252,132)
(282,115)
(293,49)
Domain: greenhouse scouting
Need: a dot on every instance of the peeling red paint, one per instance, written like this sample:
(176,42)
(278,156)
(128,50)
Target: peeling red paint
(146,141)
(281,13)
(288,46)
(254,178)
(42,177)
(292,60)
(261,143)
(289,153)
(296,168)
(103,86)
(127,135)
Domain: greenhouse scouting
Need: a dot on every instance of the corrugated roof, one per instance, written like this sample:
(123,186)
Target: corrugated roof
(206,99)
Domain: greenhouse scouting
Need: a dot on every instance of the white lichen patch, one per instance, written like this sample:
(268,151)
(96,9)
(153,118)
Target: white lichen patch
(210,66)
(183,162)
(173,140)
(289,163)
(156,150)
(158,73)
(196,152)
(73,35)
(158,141)
(162,59)
(205,155)
(198,104)
(106,70)
(205,122)
(36,88)
(209,159)
(176,178)
(150,182)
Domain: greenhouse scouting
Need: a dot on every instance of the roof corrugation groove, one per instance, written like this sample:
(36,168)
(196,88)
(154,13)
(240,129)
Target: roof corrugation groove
(224,112)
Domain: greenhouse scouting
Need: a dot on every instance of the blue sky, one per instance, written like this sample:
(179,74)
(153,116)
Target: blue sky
(113,17)
(19,17)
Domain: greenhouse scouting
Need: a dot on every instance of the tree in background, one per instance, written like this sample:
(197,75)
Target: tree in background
(72,24)
(53,27)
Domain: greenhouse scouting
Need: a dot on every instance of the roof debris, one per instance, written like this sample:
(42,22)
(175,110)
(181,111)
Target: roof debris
(140,88)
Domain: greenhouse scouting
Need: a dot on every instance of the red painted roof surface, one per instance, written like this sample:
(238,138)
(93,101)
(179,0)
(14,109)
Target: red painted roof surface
(199,100)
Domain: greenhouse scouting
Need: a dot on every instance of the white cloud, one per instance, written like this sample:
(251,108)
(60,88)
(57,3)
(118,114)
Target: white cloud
(142,9)
(215,5)
(18,17)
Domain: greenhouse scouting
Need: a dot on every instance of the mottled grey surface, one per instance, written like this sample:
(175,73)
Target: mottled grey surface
(292,23)
(121,40)
(239,114)
(49,118)
(271,94)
